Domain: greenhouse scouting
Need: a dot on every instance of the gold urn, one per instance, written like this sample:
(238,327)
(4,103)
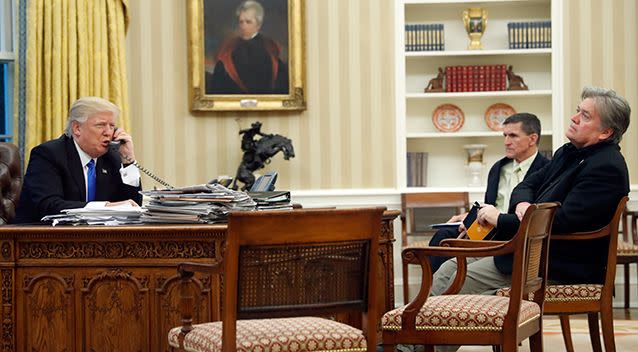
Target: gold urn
(475,21)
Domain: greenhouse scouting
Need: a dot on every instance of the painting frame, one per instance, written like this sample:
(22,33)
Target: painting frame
(201,101)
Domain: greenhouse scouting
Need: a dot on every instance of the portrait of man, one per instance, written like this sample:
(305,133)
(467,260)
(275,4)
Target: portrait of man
(246,47)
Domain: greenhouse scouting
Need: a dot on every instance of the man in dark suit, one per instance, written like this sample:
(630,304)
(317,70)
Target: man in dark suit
(59,170)
(588,176)
(522,133)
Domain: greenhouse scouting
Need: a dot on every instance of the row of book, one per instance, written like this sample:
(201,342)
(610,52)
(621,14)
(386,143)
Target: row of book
(529,35)
(417,169)
(424,37)
(475,78)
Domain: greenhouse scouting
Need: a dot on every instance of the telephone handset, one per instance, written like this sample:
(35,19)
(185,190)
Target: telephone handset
(114,146)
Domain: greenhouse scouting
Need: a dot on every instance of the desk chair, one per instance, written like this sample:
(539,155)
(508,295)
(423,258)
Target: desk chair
(281,272)
(453,319)
(628,247)
(450,203)
(590,299)
(10,181)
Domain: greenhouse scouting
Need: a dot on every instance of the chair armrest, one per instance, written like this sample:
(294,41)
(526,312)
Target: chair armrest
(453,242)
(491,248)
(579,236)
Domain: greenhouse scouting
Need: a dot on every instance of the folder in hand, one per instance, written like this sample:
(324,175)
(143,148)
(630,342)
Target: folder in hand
(476,231)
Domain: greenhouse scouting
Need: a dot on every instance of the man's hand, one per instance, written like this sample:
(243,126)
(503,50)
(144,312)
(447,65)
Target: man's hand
(123,202)
(458,217)
(127,151)
(521,208)
(488,214)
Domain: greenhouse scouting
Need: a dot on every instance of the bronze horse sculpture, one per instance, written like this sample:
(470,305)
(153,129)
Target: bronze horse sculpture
(257,153)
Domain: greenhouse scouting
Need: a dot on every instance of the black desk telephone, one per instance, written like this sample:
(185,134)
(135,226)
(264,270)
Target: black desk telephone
(265,183)
(114,147)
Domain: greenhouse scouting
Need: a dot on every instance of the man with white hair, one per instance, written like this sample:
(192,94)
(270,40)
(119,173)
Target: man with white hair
(77,168)
(249,63)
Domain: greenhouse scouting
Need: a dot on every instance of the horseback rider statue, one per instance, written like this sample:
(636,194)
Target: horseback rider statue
(258,152)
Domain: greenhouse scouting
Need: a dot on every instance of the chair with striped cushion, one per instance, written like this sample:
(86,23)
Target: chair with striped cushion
(283,272)
(453,319)
(590,299)
(628,247)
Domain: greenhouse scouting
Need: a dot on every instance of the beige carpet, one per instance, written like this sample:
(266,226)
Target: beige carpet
(625,331)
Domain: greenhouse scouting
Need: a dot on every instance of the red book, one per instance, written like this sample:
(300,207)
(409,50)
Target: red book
(482,87)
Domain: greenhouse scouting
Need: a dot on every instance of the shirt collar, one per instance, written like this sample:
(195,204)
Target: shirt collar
(525,164)
(84,157)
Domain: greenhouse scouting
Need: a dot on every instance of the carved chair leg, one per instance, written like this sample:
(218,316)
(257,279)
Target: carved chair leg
(607,323)
(536,342)
(594,333)
(567,332)
(626,274)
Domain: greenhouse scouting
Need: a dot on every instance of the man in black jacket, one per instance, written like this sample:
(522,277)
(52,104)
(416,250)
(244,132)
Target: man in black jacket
(58,171)
(522,134)
(588,176)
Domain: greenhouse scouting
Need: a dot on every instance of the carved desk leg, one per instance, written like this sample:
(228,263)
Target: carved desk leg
(7,280)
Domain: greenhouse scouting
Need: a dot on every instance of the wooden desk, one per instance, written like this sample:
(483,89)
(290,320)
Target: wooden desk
(91,288)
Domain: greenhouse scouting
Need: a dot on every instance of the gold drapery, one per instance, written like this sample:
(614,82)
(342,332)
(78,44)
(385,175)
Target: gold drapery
(74,48)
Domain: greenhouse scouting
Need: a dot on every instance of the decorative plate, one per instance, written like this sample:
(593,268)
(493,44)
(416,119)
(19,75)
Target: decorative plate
(496,114)
(448,118)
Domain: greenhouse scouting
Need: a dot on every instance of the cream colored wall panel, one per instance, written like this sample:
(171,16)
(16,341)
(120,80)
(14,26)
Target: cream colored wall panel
(343,139)
(600,49)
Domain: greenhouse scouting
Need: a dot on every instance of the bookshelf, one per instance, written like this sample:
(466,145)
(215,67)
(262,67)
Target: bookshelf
(539,67)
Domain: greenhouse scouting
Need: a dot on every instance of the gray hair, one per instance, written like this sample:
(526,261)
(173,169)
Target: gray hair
(252,4)
(613,109)
(530,124)
(84,107)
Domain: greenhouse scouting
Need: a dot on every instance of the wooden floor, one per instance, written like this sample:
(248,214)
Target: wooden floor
(626,314)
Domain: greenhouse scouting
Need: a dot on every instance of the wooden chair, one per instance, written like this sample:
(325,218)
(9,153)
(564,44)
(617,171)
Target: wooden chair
(565,300)
(628,247)
(450,203)
(453,319)
(281,270)
(590,299)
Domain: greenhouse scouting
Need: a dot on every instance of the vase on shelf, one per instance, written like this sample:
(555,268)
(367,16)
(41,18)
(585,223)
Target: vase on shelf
(475,163)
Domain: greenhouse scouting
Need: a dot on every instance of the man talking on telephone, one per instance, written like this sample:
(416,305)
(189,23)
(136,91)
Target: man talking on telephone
(78,168)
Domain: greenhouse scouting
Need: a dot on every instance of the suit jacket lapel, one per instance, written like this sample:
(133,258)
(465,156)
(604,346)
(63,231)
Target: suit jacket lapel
(75,166)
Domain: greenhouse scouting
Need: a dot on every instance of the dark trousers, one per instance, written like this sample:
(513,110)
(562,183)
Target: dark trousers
(440,235)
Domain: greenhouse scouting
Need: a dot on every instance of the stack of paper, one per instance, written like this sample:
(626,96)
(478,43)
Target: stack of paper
(205,203)
(272,200)
(98,213)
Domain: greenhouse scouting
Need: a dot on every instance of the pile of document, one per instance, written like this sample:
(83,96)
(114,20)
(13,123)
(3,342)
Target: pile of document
(98,213)
(205,203)
(272,200)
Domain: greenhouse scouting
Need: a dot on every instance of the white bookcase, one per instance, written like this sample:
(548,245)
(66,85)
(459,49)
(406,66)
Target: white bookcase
(540,68)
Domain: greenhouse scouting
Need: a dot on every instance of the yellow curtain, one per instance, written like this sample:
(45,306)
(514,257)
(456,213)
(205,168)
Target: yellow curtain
(74,48)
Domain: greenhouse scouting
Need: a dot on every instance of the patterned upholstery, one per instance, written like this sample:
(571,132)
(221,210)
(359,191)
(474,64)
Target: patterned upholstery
(566,293)
(304,334)
(626,248)
(462,312)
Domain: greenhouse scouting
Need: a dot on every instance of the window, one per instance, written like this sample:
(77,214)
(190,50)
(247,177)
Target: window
(7,57)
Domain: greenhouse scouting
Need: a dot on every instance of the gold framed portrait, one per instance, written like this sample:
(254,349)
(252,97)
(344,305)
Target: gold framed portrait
(246,55)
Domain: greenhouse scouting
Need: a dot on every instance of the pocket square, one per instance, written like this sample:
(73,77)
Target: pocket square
(104,171)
